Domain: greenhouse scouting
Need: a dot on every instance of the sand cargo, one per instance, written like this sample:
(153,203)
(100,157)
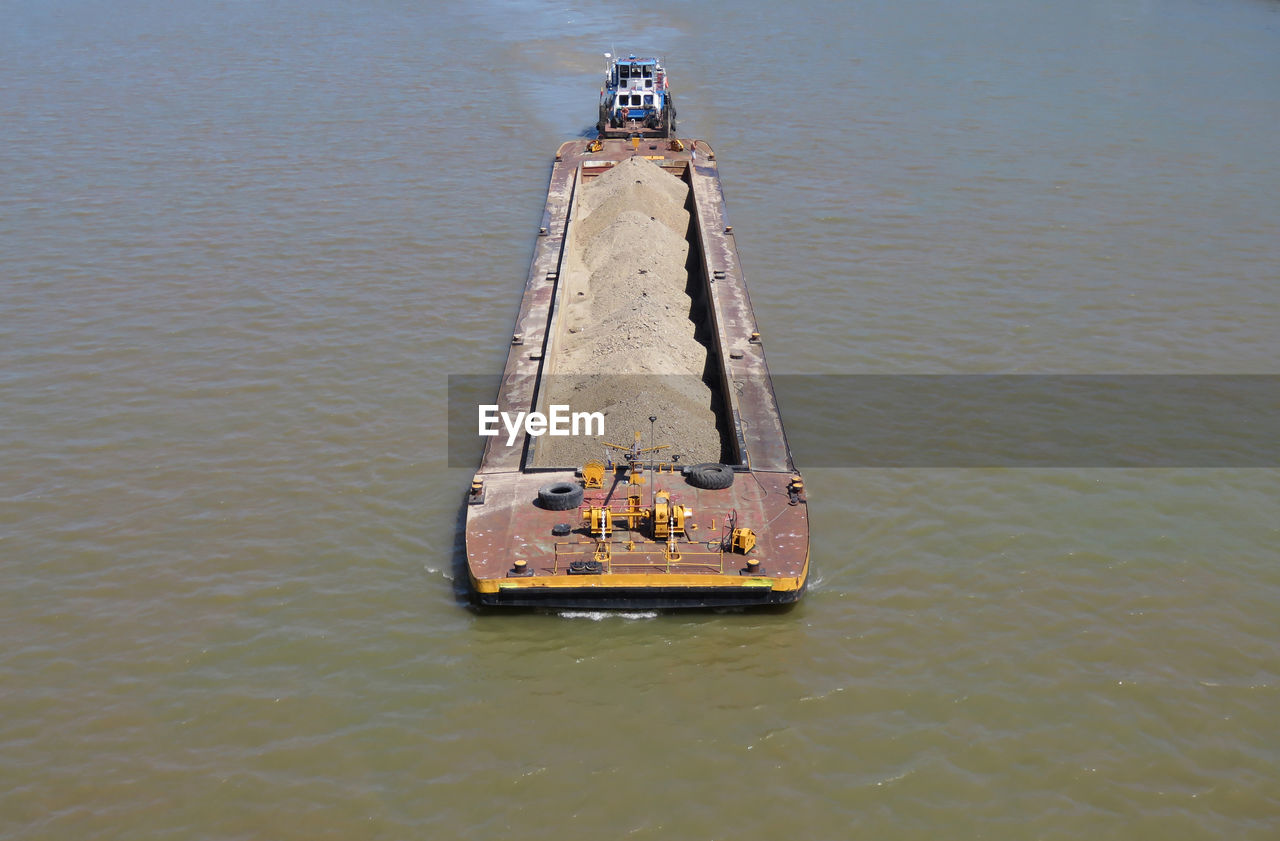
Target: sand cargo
(677,487)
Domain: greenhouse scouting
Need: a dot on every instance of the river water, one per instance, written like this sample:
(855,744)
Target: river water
(244,244)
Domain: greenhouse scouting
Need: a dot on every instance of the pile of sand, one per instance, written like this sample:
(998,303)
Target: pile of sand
(626,342)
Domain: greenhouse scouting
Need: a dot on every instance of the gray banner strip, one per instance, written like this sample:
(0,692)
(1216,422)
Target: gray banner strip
(1006,420)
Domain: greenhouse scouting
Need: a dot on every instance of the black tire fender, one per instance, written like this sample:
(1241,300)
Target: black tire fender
(560,496)
(710,476)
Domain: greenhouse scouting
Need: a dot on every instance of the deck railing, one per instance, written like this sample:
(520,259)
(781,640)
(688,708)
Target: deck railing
(631,555)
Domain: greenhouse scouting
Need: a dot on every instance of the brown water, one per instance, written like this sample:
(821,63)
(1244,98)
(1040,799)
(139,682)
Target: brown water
(243,244)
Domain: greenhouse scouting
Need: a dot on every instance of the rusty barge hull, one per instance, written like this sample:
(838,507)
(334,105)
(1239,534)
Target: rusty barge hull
(521,554)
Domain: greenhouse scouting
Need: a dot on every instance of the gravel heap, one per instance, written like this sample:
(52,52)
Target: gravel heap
(626,345)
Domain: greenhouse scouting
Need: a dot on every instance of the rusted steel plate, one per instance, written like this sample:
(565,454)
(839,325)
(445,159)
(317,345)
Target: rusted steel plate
(509,526)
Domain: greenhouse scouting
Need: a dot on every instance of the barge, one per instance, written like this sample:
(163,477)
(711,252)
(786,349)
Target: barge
(635,313)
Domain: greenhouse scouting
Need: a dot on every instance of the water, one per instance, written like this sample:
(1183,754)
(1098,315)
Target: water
(244,244)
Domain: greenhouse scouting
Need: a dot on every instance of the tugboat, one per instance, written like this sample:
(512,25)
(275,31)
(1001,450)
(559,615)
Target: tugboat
(705,511)
(636,99)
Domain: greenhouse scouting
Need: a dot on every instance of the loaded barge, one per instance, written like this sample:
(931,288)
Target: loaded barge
(635,313)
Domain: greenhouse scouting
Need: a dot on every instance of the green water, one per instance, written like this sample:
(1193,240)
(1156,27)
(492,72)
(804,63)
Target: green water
(243,246)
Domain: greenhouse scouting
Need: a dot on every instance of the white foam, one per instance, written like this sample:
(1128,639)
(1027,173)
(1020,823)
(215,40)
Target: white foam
(598,615)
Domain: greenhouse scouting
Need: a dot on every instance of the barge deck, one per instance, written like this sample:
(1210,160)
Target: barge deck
(640,530)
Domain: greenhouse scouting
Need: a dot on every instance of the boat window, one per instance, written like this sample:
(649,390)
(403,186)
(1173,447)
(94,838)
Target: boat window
(625,70)
(648,99)
(648,71)
(648,83)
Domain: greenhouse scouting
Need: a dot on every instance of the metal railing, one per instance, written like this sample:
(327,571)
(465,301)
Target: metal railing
(628,555)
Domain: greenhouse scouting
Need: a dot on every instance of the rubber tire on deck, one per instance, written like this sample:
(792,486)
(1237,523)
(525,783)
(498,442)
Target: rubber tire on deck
(710,476)
(560,496)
